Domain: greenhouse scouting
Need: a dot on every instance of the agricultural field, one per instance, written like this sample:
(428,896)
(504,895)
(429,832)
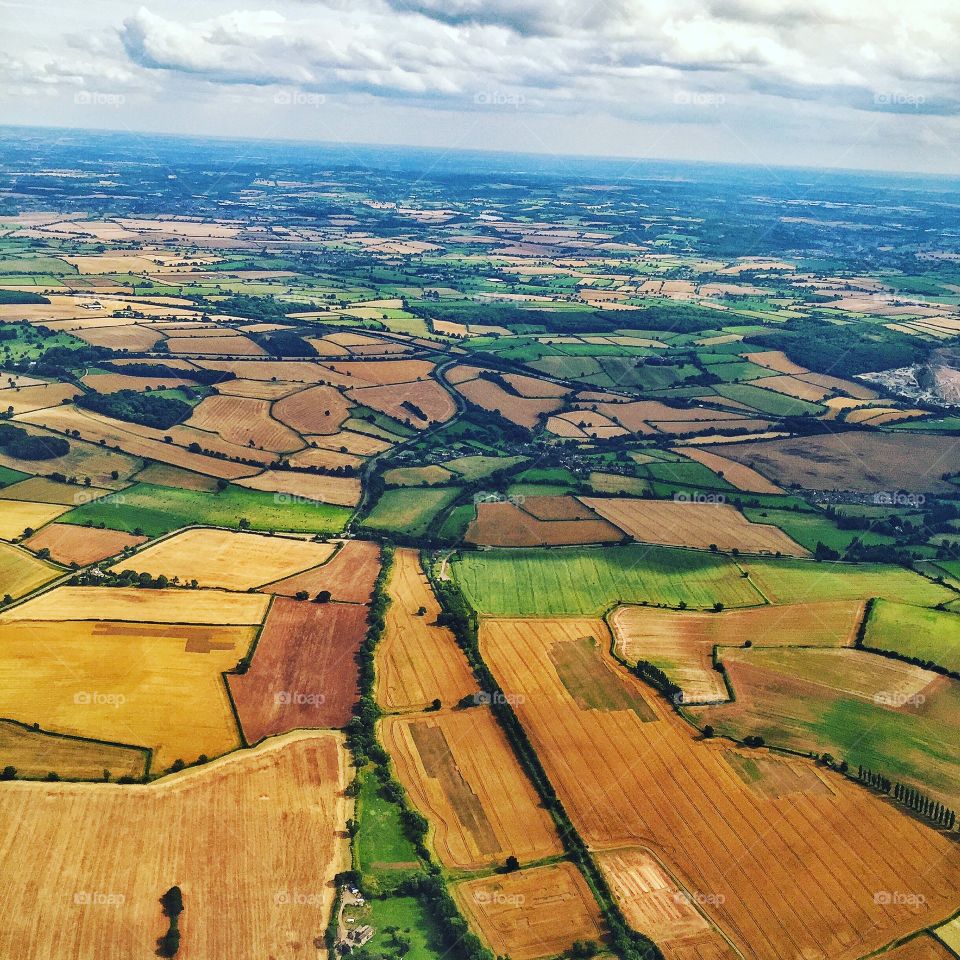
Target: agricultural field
(931,636)
(348,576)
(21,572)
(633,774)
(408,511)
(275,817)
(527,524)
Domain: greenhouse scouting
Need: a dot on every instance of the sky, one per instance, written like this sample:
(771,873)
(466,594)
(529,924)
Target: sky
(863,84)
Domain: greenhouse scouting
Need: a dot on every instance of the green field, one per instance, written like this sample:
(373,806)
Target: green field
(408,511)
(800,581)
(579,581)
(156,510)
(381,848)
(767,401)
(475,467)
(809,529)
(929,635)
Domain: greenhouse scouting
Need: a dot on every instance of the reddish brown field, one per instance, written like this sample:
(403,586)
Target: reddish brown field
(237,346)
(316,410)
(258,389)
(344,491)
(739,474)
(557,508)
(111,382)
(427,395)
(924,947)
(786,875)
(417,661)
(303,672)
(349,575)
(129,337)
(70,544)
(534,387)
(300,371)
(245,422)
(363,373)
(508,525)
(490,396)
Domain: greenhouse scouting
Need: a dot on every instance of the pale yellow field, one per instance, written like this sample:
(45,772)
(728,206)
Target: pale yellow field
(693,525)
(18,515)
(253,841)
(343,491)
(142,606)
(21,572)
(227,558)
(148,685)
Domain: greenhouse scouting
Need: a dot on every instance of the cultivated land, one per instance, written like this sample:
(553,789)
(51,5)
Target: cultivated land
(533,913)
(274,817)
(81,545)
(417,661)
(631,773)
(461,773)
(227,559)
(928,635)
(304,671)
(21,572)
(348,575)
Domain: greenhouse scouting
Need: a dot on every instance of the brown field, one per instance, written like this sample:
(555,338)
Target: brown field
(35,754)
(490,396)
(343,491)
(427,395)
(132,439)
(693,525)
(923,947)
(258,389)
(557,508)
(349,575)
(681,643)
(361,373)
(167,475)
(147,685)
(320,457)
(272,819)
(43,490)
(461,773)
(22,399)
(142,606)
(82,545)
(130,337)
(793,387)
(316,410)
(229,559)
(213,444)
(304,672)
(775,360)
(652,902)
(539,912)
(534,387)
(508,525)
(867,462)
(417,661)
(582,423)
(111,382)
(236,346)
(766,868)
(638,416)
(740,475)
(16,516)
(245,422)
(349,441)
(299,371)
(849,387)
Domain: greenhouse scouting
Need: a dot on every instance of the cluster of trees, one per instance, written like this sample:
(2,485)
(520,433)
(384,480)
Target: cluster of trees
(910,797)
(143,408)
(16,442)
(286,343)
(172,902)
(657,678)
(162,370)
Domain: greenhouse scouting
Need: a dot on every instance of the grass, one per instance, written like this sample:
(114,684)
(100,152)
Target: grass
(809,529)
(586,582)
(156,510)
(381,846)
(475,467)
(8,476)
(412,922)
(767,401)
(454,526)
(929,635)
(408,511)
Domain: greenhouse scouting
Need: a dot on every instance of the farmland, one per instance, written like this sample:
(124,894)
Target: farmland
(927,635)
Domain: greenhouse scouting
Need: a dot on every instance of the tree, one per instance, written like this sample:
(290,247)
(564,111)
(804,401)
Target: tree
(708,731)
(511,864)
(322,597)
(172,902)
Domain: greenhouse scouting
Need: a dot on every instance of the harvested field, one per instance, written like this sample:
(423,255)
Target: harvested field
(147,685)
(297,371)
(22,399)
(490,396)
(325,459)
(626,781)
(16,516)
(245,422)
(534,387)
(681,643)
(793,387)
(339,491)
(429,476)
(111,382)
(426,396)
(416,660)
(21,572)
(127,337)
(652,902)
(42,490)
(849,387)
(81,545)
(923,947)
(274,817)
(349,575)
(304,671)
(638,416)
(693,525)
(866,462)
(740,475)
(348,441)
(259,390)
(316,410)
(142,606)
(510,525)
(775,360)
(35,754)
(445,761)
(236,346)
(532,913)
(229,559)
(586,582)
(166,475)
(361,373)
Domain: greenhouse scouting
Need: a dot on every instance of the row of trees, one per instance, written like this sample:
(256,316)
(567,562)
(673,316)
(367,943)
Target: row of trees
(938,813)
